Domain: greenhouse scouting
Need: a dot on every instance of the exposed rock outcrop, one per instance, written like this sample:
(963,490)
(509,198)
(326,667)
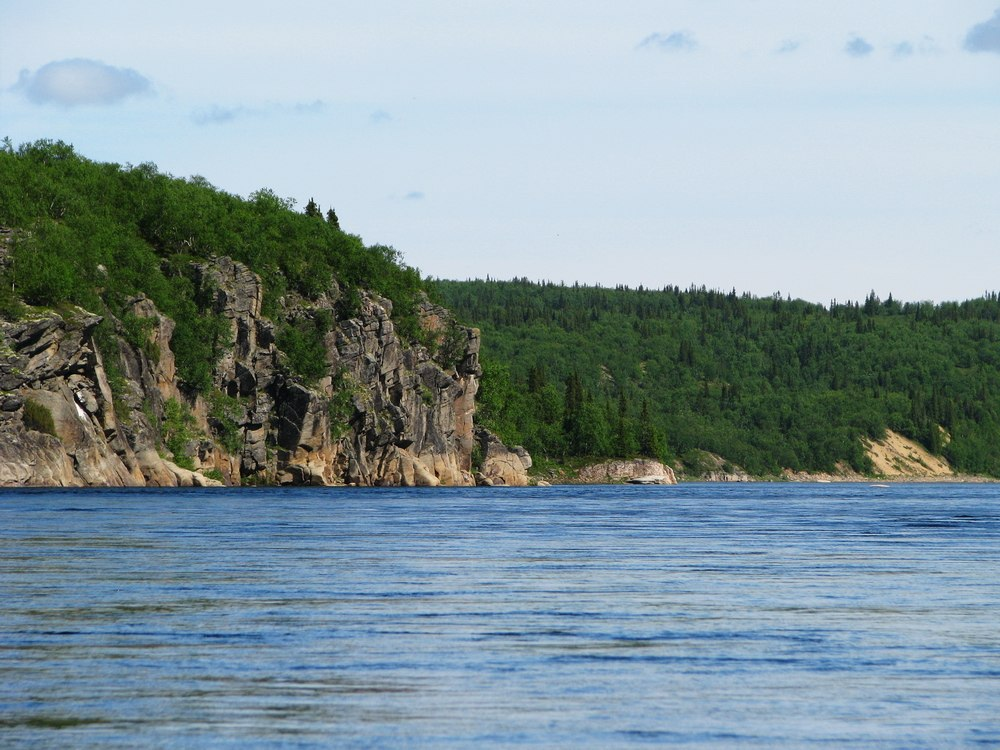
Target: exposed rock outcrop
(711,467)
(501,466)
(59,425)
(386,411)
(897,456)
(639,471)
(653,479)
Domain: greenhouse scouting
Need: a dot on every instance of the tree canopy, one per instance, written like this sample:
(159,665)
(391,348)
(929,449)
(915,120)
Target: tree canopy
(95,234)
(767,383)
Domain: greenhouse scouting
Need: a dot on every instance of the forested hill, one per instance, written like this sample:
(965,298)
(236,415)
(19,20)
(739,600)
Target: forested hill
(155,330)
(95,234)
(767,383)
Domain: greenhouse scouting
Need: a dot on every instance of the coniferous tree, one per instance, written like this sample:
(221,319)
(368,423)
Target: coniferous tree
(573,413)
(536,378)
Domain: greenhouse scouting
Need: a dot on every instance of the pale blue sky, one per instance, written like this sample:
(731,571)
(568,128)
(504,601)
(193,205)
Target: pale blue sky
(819,149)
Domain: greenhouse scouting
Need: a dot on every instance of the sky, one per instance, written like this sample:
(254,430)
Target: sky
(820,150)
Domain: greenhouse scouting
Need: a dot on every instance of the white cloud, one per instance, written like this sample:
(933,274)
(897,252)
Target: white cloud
(858,47)
(315,107)
(985,36)
(79,82)
(677,41)
(926,46)
(787,47)
(903,49)
(220,115)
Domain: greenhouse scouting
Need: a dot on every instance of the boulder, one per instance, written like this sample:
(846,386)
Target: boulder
(502,465)
(653,479)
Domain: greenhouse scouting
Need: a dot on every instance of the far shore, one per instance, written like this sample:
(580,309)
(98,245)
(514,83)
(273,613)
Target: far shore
(806,479)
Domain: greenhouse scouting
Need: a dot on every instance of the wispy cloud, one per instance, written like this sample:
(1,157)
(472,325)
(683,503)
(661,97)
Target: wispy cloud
(415,195)
(221,115)
(380,116)
(676,41)
(858,47)
(903,49)
(985,36)
(315,107)
(787,47)
(81,82)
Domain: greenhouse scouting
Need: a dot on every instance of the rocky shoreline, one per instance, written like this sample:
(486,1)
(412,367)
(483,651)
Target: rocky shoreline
(79,409)
(633,471)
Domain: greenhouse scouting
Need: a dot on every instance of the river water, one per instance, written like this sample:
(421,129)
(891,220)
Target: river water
(768,615)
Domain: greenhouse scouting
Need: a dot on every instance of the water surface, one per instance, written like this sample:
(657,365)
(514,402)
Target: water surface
(771,616)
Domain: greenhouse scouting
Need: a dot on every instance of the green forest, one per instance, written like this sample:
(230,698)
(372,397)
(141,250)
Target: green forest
(95,234)
(766,383)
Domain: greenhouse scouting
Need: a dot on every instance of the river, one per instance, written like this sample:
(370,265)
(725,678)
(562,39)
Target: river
(696,616)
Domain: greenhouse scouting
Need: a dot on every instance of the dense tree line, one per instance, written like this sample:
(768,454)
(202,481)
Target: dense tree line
(95,234)
(767,383)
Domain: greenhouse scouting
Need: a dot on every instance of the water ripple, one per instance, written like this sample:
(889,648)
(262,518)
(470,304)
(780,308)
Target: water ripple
(772,616)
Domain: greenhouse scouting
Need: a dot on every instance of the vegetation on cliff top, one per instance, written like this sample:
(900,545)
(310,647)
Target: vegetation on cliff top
(96,234)
(766,383)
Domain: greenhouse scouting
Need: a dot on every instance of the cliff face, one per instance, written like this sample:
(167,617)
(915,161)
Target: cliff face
(386,413)
(58,425)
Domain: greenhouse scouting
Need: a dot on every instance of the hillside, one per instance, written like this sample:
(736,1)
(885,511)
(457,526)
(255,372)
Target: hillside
(156,330)
(768,384)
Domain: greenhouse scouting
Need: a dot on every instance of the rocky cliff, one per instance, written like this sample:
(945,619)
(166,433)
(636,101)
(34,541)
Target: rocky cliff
(78,412)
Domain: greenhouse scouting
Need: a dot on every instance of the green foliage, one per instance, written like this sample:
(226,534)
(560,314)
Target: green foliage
(95,234)
(107,344)
(449,347)
(178,429)
(340,407)
(313,210)
(225,415)
(303,343)
(767,383)
(500,405)
(11,307)
(38,417)
(426,396)
(138,332)
(42,272)
(698,462)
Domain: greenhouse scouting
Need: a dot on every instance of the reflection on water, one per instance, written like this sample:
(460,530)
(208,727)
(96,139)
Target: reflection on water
(696,616)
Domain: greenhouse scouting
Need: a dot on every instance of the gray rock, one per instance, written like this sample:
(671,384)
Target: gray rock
(13,402)
(503,465)
(622,470)
(407,416)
